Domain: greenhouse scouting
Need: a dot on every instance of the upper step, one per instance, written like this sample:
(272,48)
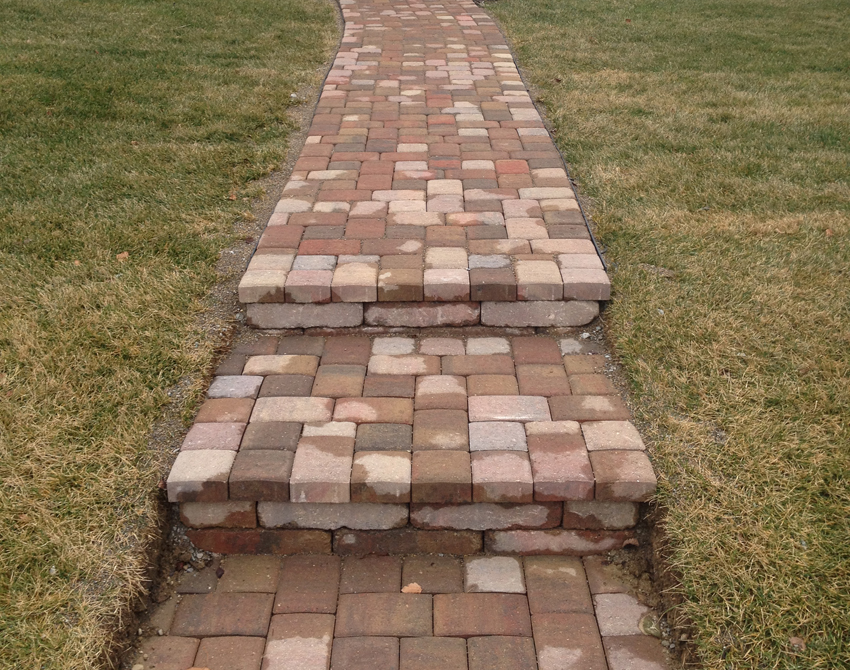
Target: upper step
(428,177)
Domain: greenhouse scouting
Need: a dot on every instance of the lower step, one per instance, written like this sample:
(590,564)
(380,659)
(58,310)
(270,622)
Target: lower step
(410,541)
(572,515)
(540,313)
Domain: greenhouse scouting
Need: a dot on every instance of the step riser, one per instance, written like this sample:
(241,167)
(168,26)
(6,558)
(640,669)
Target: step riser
(538,314)
(368,516)
(410,541)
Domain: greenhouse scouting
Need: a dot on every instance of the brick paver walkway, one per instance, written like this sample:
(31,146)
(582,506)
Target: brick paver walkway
(429,191)
(392,613)
(443,476)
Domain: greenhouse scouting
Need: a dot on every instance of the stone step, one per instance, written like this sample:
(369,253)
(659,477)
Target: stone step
(432,182)
(427,433)
(579,515)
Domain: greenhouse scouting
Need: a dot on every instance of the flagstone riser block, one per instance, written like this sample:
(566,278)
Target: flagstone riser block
(372,516)
(408,540)
(539,313)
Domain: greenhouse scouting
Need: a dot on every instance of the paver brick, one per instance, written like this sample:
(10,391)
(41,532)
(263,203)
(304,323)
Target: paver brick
(478,365)
(281,365)
(307,584)
(623,475)
(539,313)
(542,380)
(261,475)
(271,435)
(488,385)
(276,315)
(600,514)
(374,410)
(408,541)
(260,541)
(235,386)
(404,365)
(167,653)
(383,437)
(365,653)
(494,574)
(588,408)
(389,386)
(200,476)
(236,653)
(508,408)
(634,652)
(555,542)
(440,392)
(381,477)
(214,436)
(473,614)
(497,435)
(434,574)
(286,385)
(556,584)
(568,641)
(377,614)
(441,476)
(346,350)
(561,467)
(233,514)
(249,574)
(331,516)
(299,640)
(371,574)
(591,385)
(604,576)
(292,409)
(501,653)
(225,410)
(618,613)
(217,614)
(602,435)
(432,653)
(321,470)
(440,429)
(501,476)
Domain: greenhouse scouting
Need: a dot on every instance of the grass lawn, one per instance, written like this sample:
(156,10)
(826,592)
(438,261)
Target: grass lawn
(125,127)
(712,139)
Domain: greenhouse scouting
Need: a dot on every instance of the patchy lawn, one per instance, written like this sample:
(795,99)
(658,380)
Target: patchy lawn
(712,140)
(127,128)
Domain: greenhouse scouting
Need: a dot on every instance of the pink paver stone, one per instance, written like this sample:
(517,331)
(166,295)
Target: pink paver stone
(321,471)
(214,436)
(508,408)
(501,476)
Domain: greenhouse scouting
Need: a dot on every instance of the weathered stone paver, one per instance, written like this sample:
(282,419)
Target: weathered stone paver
(429,190)
(413,613)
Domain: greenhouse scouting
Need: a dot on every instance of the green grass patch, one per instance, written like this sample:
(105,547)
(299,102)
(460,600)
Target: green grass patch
(125,127)
(712,140)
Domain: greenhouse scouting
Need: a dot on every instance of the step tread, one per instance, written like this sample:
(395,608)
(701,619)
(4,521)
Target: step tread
(423,420)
